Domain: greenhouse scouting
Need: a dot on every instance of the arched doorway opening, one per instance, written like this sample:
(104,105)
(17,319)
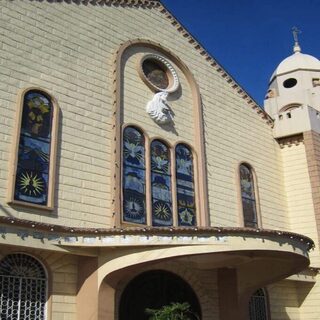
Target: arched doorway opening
(154,289)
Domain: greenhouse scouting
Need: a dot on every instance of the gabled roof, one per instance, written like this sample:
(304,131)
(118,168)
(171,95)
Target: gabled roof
(215,64)
(191,39)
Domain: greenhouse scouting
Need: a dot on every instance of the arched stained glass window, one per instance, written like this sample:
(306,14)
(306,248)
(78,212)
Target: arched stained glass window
(249,206)
(161,184)
(23,288)
(32,181)
(134,176)
(185,186)
(258,306)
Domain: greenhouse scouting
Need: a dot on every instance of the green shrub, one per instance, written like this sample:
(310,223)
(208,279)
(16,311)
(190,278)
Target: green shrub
(173,311)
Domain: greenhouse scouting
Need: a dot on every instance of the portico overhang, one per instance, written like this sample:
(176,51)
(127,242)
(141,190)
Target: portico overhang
(279,253)
(259,256)
(245,258)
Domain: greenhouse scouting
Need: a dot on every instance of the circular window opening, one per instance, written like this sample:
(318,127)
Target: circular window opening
(158,73)
(289,83)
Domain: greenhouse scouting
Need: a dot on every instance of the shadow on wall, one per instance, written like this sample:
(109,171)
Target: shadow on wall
(287,297)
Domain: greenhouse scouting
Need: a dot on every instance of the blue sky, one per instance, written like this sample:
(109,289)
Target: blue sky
(249,38)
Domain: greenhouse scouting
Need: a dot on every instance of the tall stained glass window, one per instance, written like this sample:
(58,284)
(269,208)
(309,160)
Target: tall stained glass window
(248,197)
(161,184)
(33,163)
(185,186)
(134,176)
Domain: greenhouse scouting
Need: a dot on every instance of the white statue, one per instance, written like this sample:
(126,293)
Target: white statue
(158,108)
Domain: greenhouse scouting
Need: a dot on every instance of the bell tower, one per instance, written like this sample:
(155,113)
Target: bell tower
(293,101)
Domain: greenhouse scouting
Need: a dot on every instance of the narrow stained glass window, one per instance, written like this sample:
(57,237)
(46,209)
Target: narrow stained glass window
(134,176)
(161,184)
(248,197)
(32,175)
(185,186)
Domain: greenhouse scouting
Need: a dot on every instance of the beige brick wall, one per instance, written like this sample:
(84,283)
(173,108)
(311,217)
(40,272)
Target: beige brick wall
(234,133)
(295,300)
(309,295)
(284,301)
(68,50)
(299,195)
(64,286)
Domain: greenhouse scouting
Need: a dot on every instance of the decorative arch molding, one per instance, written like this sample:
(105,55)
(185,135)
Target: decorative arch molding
(290,107)
(200,173)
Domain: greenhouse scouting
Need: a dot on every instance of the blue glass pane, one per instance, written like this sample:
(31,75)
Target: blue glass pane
(134,179)
(161,213)
(184,161)
(246,182)
(186,216)
(248,197)
(161,184)
(160,157)
(133,148)
(134,207)
(37,114)
(161,187)
(249,213)
(32,175)
(134,199)
(31,186)
(33,154)
(185,186)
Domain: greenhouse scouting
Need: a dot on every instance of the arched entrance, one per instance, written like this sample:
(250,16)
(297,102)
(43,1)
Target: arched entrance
(154,289)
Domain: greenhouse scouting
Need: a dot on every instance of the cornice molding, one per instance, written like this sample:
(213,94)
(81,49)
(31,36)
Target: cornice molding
(173,231)
(291,141)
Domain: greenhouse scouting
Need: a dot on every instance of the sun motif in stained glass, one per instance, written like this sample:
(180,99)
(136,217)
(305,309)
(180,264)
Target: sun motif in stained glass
(162,210)
(37,111)
(31,184)
(134,207)
(186,216)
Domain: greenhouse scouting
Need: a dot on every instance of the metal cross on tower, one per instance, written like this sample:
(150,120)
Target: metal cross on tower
(295,32)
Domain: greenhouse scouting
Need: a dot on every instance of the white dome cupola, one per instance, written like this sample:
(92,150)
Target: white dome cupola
(295,82)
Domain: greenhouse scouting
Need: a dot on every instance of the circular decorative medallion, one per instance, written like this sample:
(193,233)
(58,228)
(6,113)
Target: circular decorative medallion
(158,73)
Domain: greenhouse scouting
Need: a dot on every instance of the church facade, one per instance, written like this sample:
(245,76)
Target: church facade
(135,172)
